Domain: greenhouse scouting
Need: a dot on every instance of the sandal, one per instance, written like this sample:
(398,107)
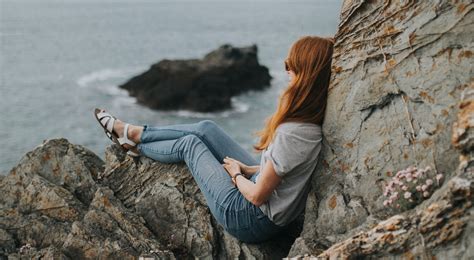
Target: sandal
(107,122)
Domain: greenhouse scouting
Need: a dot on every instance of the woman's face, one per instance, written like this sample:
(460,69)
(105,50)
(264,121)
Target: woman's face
(290,72)
(291,75)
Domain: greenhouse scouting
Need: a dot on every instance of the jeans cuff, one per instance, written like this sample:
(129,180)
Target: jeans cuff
(145,126)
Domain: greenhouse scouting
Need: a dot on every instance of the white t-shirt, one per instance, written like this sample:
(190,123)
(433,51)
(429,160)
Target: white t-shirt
(294,152)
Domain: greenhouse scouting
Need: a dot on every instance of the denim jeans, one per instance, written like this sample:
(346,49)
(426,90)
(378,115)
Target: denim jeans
(203,146)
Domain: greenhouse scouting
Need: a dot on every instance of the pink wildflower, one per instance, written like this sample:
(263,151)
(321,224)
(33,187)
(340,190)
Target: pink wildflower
(426,194)
(429,182)
(424,187)
(407,195)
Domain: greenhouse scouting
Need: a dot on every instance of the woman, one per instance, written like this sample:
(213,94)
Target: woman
(252,201)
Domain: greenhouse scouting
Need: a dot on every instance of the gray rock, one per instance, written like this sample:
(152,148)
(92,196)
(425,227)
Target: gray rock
(62,201)
(52,207)
(399,71)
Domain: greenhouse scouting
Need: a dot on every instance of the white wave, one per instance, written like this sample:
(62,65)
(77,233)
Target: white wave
(104,75)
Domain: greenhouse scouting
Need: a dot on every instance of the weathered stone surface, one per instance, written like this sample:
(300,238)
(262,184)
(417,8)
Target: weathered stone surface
(127,210)
(200,84)
(52,207)
(399,70)
(439,228)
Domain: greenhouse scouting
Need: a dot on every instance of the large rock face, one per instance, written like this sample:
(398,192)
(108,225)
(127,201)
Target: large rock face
(399,71)
(200,85)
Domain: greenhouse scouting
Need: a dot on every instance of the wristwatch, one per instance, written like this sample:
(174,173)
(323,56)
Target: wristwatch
(235,176)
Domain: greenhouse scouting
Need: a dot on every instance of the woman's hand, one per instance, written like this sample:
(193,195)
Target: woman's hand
(244,169)
(232,166)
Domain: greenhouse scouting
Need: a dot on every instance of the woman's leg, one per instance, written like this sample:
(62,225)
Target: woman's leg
(213,136)
(209,174)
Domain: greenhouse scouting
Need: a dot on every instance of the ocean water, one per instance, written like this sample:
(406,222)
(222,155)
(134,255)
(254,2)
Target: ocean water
(59,59)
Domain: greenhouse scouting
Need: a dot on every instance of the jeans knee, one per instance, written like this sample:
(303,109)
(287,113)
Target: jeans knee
(190,139)
(207,125)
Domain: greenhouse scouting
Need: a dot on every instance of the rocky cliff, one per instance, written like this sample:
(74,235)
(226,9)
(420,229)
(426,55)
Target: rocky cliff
(402,94)
(400,70)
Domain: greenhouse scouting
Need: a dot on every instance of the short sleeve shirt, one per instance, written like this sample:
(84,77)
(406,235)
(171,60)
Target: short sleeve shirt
(293,152)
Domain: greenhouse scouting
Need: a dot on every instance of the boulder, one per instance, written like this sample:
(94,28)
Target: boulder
(400,68)
(202,85)
(52,207)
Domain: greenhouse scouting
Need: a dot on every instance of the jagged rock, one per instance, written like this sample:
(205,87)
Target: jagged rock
(62,201)
(200,84)
(168,199)
(439,228)
(399,70)
(51,202)
(50,252)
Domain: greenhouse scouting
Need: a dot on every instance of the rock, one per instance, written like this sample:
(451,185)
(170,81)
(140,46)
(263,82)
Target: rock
(52,207)
(399,70)
(62,201)
(439,228)
(202,85)
(428,232)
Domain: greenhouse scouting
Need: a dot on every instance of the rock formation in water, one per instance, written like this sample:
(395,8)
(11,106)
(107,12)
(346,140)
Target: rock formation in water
(203,85)
(402,94)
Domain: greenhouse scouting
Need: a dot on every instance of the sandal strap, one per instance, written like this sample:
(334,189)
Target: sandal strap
(124,139)
(107,120)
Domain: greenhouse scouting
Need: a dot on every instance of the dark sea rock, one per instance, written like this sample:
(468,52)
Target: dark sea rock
(202,85)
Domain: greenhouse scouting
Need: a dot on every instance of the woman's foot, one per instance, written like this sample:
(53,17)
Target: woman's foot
(134,134)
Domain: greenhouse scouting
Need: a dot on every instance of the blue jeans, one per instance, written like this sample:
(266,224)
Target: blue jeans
(203,146)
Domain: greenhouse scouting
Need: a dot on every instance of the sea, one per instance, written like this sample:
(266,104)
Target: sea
(60,59)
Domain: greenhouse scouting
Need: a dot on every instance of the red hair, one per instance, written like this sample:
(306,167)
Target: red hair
(304,100)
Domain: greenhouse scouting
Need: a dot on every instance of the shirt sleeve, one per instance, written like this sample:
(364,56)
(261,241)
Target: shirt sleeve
(288,151)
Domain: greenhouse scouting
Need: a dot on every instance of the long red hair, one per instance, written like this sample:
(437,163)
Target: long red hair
(304,100)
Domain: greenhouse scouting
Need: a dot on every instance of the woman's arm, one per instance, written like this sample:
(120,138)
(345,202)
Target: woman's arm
(258,193)
(251,170)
